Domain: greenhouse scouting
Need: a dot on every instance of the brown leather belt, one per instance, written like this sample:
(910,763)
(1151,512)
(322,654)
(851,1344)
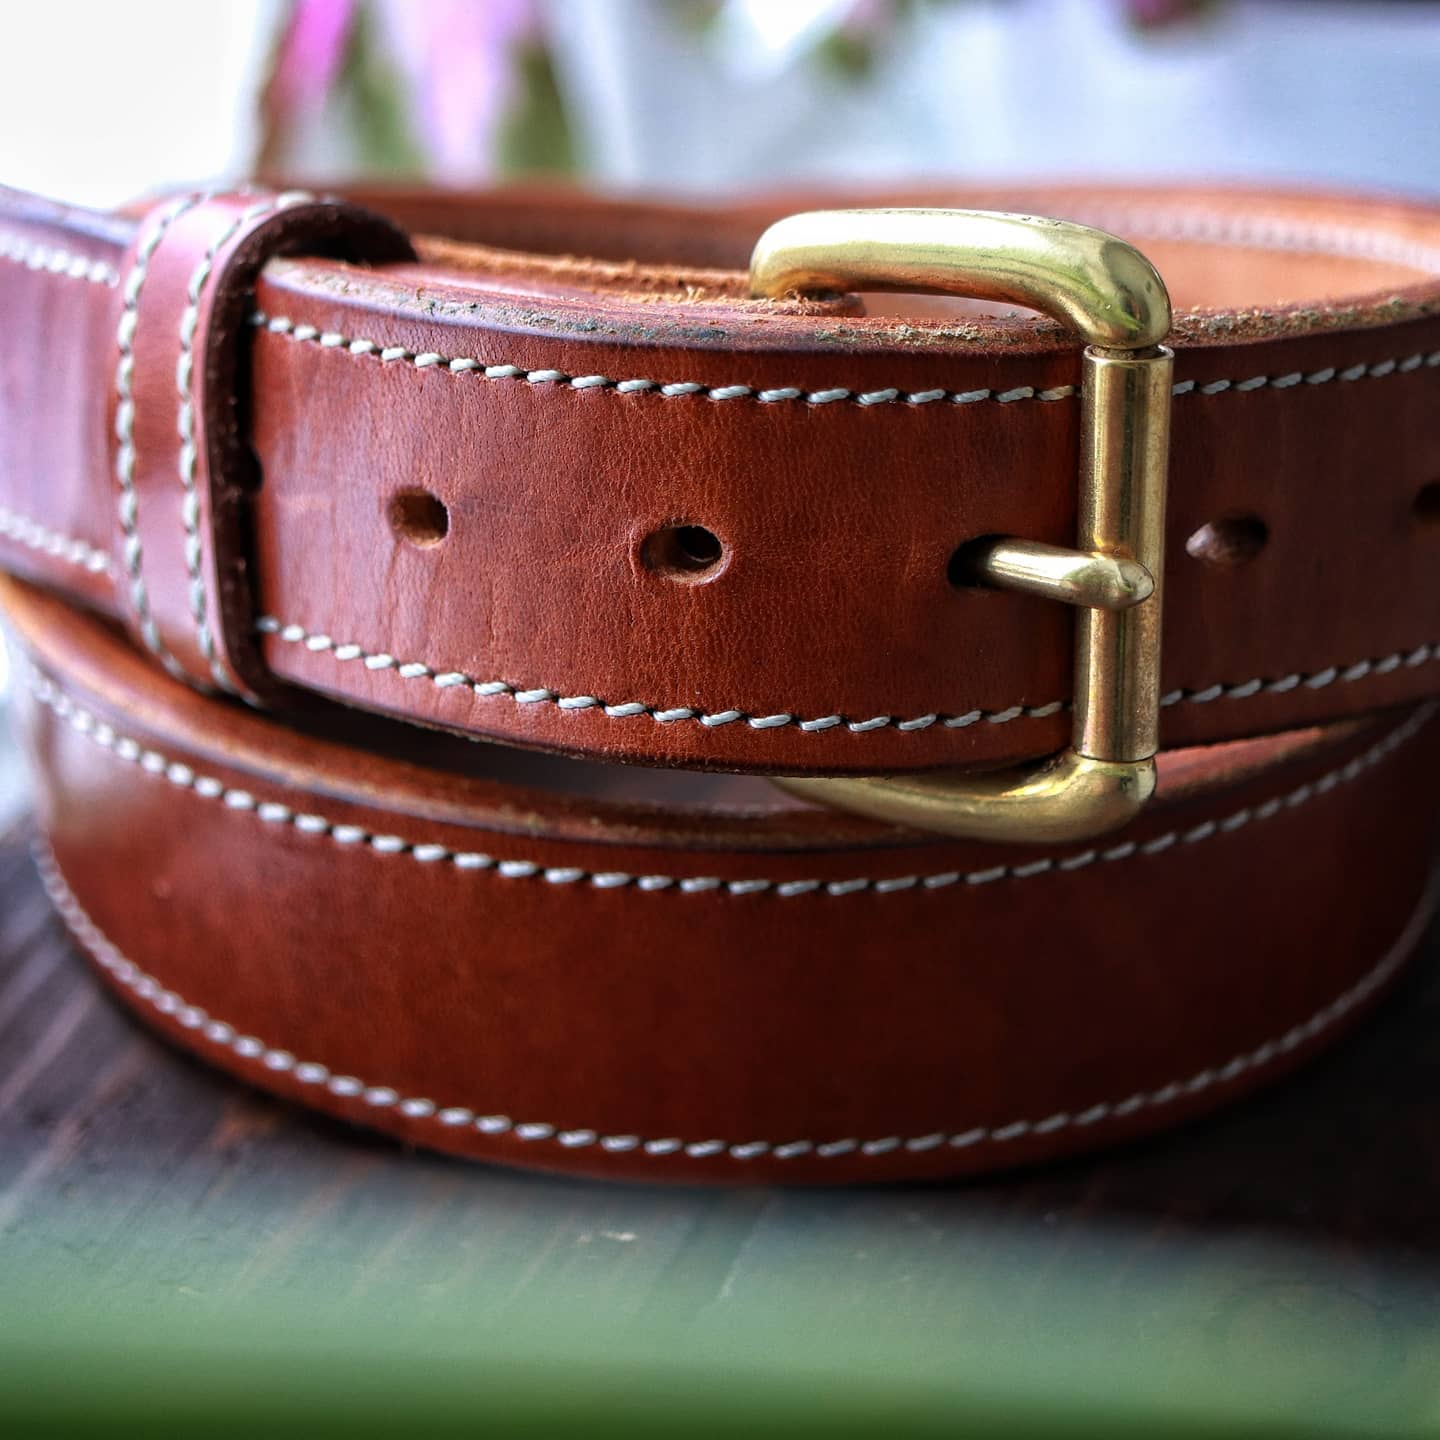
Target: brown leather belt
(615,509)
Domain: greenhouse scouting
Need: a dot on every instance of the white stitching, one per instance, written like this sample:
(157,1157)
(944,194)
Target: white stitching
(34,256)
(320,643)
(35,536)
(1317,680)
(443,679)
(465,365)
(129,504)
(152,762)
(185,424)
(468,365)
(311,1072)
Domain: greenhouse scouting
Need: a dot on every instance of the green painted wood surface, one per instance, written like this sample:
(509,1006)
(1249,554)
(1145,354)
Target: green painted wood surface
(178,1255)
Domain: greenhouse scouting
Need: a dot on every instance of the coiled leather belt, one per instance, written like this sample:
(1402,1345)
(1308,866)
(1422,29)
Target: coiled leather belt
(616,510)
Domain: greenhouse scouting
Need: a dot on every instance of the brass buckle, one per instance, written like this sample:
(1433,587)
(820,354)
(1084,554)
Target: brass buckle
(1111,295)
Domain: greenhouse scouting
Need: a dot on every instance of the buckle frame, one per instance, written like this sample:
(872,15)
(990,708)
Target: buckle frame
(1113,298)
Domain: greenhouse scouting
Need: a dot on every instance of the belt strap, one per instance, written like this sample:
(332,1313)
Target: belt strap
(598,985)
(614,508)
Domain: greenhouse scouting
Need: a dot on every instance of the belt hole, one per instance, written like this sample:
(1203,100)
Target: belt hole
(419,518)
(963,570)
(689,553)
(1232,540)
(1427,503)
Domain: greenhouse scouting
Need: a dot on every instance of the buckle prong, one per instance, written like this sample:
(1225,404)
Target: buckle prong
(1111,295)
(1086,578)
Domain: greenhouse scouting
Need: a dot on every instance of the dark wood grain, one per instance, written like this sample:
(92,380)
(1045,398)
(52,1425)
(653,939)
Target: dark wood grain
(1293,1242)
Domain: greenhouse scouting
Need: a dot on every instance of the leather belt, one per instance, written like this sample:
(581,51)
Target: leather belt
(561,413)
(615,509)
(698,992)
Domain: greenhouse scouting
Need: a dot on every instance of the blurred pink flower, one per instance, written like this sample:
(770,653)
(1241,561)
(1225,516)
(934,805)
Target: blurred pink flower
(457,59)
(310,54)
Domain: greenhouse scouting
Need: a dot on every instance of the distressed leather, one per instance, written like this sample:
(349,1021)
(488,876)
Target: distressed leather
(841,450)
(707,989)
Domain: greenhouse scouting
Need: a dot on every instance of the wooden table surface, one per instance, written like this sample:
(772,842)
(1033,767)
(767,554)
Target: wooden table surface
(1275,1269)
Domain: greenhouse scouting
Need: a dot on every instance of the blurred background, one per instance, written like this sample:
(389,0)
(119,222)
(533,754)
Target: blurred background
(695,95)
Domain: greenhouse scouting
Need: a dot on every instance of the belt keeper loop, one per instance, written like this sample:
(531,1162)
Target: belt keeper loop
(181,467)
